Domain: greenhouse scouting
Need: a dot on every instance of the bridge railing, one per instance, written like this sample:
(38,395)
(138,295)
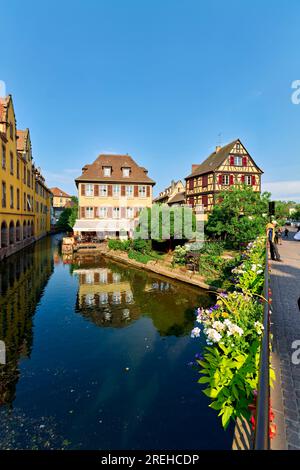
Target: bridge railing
(262,428)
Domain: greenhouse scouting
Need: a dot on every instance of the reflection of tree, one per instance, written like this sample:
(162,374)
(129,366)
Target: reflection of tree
(22,280)
(170,305)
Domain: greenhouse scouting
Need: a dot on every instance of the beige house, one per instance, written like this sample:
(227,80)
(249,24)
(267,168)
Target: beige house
(111,193)
(60,197)
(173,195)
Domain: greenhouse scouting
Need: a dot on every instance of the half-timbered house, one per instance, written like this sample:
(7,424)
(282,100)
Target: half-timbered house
(227,166)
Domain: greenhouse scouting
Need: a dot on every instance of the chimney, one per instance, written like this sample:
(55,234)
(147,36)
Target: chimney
(194,166)
(84,168)
(218,147)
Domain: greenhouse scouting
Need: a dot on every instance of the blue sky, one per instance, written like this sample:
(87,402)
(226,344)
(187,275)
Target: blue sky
(157,79)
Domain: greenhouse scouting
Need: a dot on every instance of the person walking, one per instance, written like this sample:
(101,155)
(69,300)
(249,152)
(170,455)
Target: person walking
(286,232)
(271,232)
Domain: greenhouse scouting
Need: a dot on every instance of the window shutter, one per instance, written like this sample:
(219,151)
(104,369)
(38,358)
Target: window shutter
(109,190)
(122,190)
(191,184)
(96,212)
(220,178)
(136,191)
(245,161)
(231,160)
(123,213)
(243,178)
(231,180)
(136,211)
(204,181)
(96,277)
(82,212)
(96,190)
(82,189)
(148,191)
(109,212)
(253,180)
(205,200)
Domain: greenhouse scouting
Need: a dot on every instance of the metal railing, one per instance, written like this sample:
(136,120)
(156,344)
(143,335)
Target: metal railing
(262,420)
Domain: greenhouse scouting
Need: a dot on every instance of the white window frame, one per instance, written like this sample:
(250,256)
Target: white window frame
(115,192)
(225,180)
(129,190)
(116,213)
(129,213)
(103,190)
(89,212)
(107,171)
(126,172)
(89,190)
(102,211)
(248,180)
(238,161)
(142,191)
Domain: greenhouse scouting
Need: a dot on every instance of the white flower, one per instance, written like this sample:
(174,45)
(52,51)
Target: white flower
(213,335)
(259,327)
(234,330)
(218,325)
(195,332)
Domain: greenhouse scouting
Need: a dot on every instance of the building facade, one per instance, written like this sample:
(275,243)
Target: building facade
(61,201)
(228,166)
(25,200)
(173,195)
(111,193)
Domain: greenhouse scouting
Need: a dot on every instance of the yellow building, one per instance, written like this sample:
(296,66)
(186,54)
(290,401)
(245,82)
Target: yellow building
(111,193)
(60,198)
(25,200)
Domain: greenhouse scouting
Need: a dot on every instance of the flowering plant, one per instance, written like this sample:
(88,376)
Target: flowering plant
(233,329)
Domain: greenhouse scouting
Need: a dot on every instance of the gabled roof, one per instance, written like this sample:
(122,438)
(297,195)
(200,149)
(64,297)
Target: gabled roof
(22,137)
(95,171)
(59,192)
(178,197)
(4,101)
(214,160)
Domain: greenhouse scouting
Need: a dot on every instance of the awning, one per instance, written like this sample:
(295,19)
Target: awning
(105,225)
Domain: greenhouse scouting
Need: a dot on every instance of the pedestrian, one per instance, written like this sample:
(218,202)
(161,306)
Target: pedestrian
(286,232)
(271,228)
(278,236)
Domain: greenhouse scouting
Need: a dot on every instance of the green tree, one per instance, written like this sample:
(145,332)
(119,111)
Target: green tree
(239,217)
(68,217)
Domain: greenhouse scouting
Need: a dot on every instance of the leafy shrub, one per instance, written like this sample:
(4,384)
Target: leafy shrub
(179,255)
(122,245)
(138,256)
(143,246)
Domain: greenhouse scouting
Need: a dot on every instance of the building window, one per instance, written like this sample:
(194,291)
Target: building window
(28,178)
(248,180)
(89,190)
(116,190)
(3,157)
(126,172)
(142,191)
(11,131)
(11,197)
(89,212)
(129,212)
(129,191)
(107,171)
(102,212)
(11,163)
(24,202)
(103,190)
(3,194)
(18,199)
(18,169)
(116,212)
(225,180)
(238,161)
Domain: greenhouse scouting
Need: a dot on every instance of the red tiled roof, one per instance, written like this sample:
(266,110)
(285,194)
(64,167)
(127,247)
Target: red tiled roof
(59,192)
(21,139)
(94,172)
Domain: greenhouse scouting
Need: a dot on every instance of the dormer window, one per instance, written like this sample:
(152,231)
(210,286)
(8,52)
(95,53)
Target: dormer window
(126,172)
(107,171)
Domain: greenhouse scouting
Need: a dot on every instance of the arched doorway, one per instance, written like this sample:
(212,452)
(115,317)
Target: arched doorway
(32,228)
(4,235)
(28,230)
(24,230)
(18,231)
(11,233)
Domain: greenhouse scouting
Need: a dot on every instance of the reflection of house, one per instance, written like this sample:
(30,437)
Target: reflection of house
(22,281)
(172,195)
(61,201)
(228,166)
(104,297)
(25,200)
(112,191)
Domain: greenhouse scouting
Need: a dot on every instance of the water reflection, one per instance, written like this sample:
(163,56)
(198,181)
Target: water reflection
(23,278)
(113,295)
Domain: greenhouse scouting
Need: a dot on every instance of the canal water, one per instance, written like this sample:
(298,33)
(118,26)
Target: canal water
(98,356)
